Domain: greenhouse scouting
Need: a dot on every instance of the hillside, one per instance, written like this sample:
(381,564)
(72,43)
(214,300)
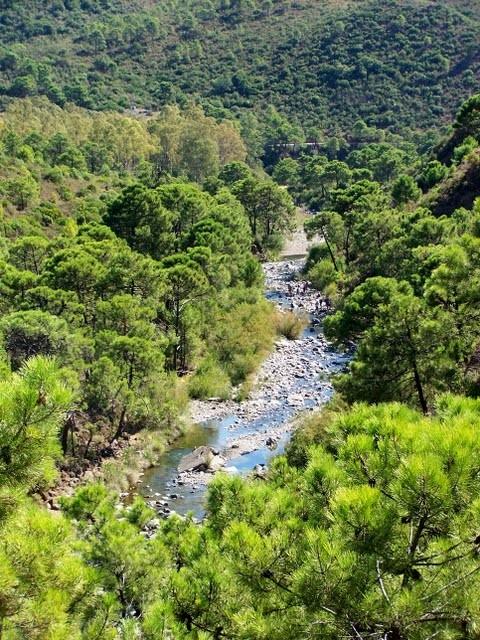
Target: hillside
(324,65)
(200,441)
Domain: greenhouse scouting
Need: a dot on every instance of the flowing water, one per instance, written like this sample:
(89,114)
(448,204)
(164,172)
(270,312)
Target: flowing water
(296,377)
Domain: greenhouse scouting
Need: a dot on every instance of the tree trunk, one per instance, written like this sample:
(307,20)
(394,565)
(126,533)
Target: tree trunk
(87,448)
(347,247)
(332,256)
(419,388)
(72,437)
(121,425)
(178,346)
(64,437)
(413,548)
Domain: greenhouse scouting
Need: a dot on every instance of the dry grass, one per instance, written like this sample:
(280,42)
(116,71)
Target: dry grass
(290,325)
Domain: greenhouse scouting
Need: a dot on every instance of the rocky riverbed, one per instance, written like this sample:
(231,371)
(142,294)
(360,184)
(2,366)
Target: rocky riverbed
(241,437)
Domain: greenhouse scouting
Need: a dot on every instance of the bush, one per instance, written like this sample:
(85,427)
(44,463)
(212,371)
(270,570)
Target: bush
(56,174)
(323,275)
(243,338)
(273,244)
(209,381)
(312,430)
(316,253)
(290,324)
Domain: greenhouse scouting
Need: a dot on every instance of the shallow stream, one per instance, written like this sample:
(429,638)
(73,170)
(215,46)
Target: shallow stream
(295,377)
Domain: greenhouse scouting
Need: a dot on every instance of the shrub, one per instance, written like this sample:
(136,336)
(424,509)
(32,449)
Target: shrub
(323,275)
(209,381)
(290,324)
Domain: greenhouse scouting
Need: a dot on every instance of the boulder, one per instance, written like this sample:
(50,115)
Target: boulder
(259,471)
(216,463)
(153,524)
(271,442)
(198,460)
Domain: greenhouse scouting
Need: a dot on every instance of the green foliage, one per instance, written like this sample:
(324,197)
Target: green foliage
(468,145)
(30,333)
(269,208)
(322,66)
(468,117)
(371,522)
(139,216)
(32,402)
(68,145)
(432,174)
(405,190)
(324,276)
(209,381)
(42,579)
(241,340)
(408,354)
(140,283)
(45,586)
(399,279)
(117,264)
(22,191)
(374,529)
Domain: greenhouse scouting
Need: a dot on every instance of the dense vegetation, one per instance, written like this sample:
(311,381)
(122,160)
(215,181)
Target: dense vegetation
(319,65)
(126,272)
(369,528)
(404,277)
(130,281)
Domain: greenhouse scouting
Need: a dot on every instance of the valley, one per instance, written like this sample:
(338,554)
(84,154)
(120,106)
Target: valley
(239,320)
(244,435)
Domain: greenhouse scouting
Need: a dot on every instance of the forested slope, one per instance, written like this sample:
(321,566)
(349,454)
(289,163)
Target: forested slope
(130,280)
(116,261)
(404,65)
(401,262)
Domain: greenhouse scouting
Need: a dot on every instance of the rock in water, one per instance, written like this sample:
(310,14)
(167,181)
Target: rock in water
(259,471)
(216,463)
(198,460)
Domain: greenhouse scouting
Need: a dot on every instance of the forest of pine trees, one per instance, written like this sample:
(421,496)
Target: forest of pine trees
(131,248)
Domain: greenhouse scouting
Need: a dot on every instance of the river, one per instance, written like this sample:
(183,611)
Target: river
(295,378)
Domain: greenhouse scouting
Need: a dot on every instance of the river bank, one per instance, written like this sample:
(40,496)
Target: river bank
(241,437)
(238,437)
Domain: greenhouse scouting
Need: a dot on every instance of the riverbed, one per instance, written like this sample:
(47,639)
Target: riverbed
(294,378)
